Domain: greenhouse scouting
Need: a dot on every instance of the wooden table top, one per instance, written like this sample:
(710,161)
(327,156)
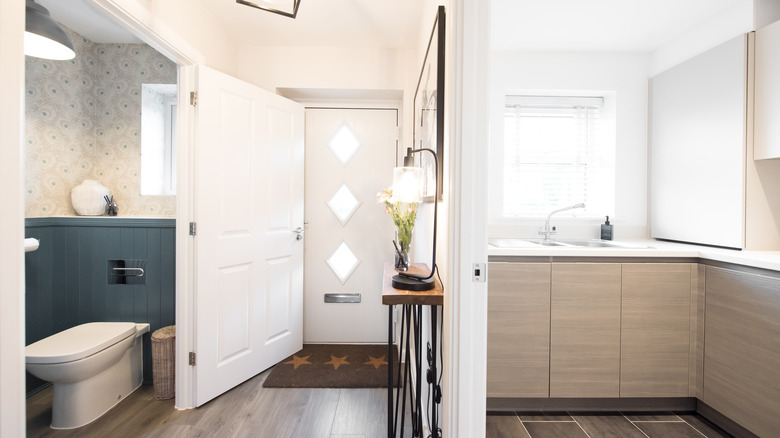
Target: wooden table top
(392,296)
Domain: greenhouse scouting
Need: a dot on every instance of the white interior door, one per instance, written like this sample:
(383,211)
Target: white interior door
(248,203)
(350,155)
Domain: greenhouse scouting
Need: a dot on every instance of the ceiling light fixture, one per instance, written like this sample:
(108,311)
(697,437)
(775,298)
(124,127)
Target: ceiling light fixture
(43,37)
(288,8)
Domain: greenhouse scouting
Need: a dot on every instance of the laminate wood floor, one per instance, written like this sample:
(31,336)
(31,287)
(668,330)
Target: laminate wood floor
(248,410)
(599,425)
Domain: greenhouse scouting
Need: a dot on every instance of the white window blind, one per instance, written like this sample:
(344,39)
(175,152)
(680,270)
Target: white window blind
(550,146)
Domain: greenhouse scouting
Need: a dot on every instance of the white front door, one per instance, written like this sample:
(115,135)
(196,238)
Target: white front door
(350,155)
(248,204)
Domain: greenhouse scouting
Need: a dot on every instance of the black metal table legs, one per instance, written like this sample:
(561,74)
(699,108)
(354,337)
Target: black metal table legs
(411,332)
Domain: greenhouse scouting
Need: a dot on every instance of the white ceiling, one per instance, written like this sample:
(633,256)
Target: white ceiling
(337,23)
(591,25)
(82,18)
(597,25)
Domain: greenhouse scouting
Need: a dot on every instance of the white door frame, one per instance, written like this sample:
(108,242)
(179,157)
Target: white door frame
(132,16)
(465,302)
(12,407)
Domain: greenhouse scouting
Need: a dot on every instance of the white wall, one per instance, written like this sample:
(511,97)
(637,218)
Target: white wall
(626,75)
(333,71)
(195,25)
(273,67)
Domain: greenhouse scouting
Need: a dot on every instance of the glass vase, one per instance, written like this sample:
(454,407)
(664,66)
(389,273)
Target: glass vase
(402,255)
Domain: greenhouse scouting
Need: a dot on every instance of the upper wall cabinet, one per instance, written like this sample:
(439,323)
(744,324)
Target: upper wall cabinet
(698,145)
(767,93)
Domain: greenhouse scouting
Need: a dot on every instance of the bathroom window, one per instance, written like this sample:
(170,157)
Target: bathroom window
(557,152)
(158,139)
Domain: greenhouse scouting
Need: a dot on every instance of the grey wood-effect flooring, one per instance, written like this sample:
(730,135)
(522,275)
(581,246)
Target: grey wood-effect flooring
(599,425)
(248,410)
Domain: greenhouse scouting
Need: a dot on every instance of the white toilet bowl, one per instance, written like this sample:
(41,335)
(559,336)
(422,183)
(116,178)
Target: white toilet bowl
(92,367)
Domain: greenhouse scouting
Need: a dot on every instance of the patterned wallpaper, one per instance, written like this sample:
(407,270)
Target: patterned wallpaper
(83,121)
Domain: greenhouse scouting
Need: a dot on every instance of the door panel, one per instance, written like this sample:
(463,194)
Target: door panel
(350,154)
(249,198)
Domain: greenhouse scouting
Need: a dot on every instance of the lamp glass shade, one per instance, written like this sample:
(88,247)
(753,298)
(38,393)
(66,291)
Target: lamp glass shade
(43,37)
(406,184)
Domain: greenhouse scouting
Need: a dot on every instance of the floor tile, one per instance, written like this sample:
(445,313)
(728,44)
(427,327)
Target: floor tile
(544,416)
(652,416)
(662,429)
(607,425)
(504,426)
(704,426)
(554,429)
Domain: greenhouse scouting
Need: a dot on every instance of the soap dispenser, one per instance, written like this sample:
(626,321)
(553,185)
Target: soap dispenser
(606,230)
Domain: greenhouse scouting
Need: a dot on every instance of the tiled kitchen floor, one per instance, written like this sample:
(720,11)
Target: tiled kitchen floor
(599,425)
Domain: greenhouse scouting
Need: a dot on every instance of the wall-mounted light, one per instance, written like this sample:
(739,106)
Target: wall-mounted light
(407,186)
(43,37)
(288,8)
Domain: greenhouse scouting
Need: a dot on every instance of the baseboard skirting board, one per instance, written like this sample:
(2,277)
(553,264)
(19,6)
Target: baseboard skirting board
(722,421)
(675,404)
(592,404)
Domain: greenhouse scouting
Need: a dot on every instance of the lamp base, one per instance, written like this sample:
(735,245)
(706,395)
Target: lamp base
(412,284)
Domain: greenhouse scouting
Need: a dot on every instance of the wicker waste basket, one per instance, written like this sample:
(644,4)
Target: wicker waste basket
(164,362)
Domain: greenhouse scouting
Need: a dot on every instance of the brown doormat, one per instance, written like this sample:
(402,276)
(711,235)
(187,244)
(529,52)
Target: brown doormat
(334,366)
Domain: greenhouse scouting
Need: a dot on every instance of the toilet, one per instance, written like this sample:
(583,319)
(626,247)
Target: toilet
(92,366)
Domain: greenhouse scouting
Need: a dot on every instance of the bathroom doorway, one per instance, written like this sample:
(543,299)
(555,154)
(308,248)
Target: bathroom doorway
(190,75)
(84,120)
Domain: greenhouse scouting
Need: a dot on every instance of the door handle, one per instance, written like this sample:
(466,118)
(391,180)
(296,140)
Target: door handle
(299,233)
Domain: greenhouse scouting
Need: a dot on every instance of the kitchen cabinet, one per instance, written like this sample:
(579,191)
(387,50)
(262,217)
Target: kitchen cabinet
(712,120)
(585,330)
(767,93)
(742,348)
(698,124)
(656,323)
(518,341)
(591,330)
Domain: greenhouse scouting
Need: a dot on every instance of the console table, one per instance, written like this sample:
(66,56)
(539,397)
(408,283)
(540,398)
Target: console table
(411,331)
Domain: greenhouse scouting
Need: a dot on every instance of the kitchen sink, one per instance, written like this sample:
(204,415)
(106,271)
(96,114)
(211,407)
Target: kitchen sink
(594,243)
(570,243)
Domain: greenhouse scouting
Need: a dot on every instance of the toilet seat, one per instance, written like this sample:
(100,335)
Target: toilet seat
(78,342)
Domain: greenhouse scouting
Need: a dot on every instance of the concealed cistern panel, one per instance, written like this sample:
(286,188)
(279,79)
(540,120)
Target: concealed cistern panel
(128,271)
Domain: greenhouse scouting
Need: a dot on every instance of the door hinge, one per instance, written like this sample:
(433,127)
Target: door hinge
(480,272)
(192,358)
(193,98)
(193,228)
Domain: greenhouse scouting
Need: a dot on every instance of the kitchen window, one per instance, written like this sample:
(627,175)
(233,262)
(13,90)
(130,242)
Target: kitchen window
(558,151)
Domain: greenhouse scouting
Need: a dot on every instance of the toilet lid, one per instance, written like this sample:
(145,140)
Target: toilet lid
(78,342)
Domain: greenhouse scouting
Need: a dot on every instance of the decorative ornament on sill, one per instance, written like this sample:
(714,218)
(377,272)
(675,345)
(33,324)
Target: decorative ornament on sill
(88,198)
(403,215)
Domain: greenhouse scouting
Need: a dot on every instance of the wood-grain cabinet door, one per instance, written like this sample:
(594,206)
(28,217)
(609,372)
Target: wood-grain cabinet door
(742,349)
(585,330)
(655,330)
(518,344)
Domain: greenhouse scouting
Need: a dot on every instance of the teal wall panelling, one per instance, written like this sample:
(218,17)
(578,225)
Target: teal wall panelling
(66,278)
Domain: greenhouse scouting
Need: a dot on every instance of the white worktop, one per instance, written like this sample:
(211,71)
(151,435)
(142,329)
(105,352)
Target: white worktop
(649,249)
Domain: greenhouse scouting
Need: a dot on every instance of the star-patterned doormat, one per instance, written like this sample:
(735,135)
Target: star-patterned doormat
(334,366)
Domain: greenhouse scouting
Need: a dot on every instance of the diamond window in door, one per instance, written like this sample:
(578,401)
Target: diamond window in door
(343,262)
(344,204)
(344,144)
